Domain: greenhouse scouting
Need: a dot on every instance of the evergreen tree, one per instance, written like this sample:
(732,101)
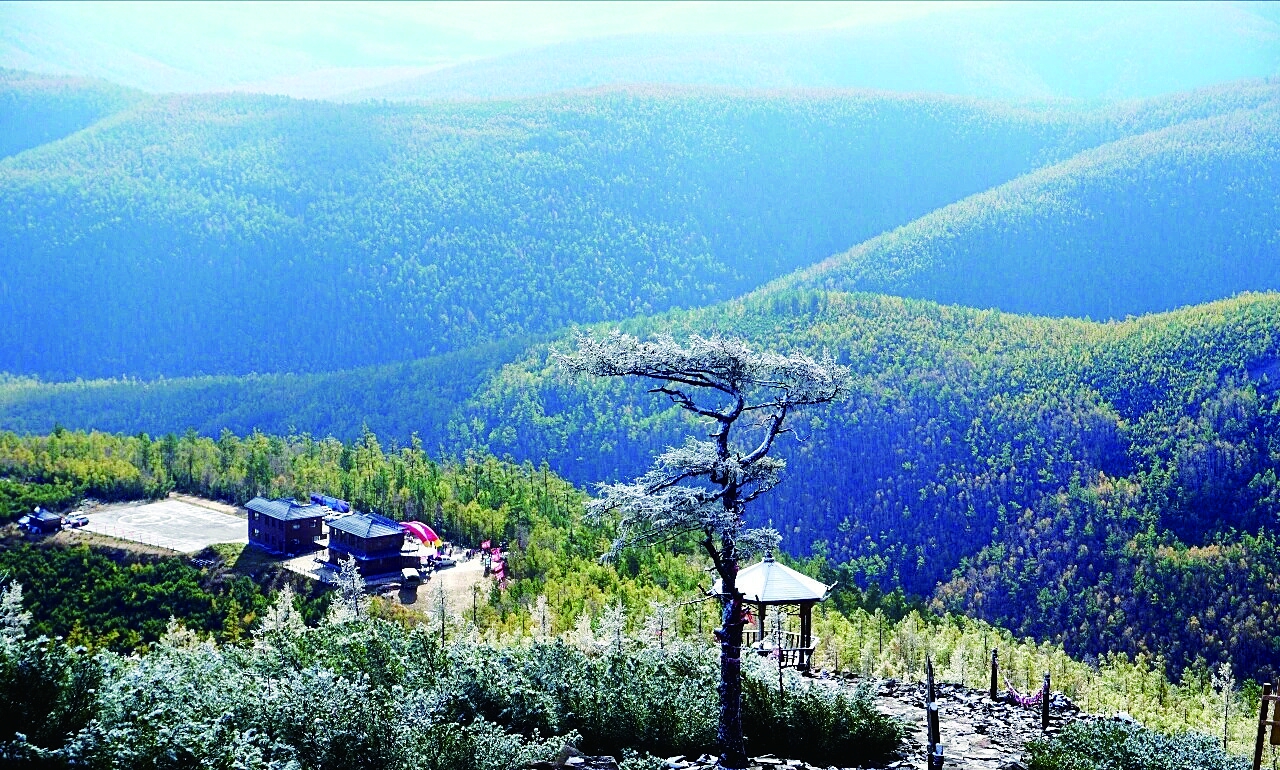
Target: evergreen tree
(703,487)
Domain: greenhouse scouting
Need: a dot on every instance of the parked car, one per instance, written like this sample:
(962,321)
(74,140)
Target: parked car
(77,520)
(410,576)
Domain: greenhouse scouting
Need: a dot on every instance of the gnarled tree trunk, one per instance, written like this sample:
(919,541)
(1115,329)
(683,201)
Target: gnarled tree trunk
(733,752)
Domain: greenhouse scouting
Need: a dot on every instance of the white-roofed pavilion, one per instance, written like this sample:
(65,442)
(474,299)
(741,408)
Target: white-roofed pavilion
(769,583)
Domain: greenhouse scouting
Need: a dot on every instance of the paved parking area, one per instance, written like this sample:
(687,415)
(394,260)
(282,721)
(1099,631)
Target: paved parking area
(172,524)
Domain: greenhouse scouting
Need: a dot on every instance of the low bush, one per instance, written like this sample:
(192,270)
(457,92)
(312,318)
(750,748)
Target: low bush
(374,694)
(822,724)
(663,701)
(1115,745)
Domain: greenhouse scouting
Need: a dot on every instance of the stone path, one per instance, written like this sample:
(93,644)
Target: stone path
(977,733)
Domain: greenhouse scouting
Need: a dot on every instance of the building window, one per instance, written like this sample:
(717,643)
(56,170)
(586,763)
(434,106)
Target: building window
(257,532)
(297,526)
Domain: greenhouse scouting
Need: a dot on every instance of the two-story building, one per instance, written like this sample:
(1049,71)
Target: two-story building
(285,526)
(374,541)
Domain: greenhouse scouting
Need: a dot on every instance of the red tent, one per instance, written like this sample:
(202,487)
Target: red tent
(421,531)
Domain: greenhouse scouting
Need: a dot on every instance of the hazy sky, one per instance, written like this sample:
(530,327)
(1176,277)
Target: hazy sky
(402,33)
(327,48)
(495,23)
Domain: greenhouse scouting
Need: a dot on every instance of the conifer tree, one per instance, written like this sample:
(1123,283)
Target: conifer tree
(703,487)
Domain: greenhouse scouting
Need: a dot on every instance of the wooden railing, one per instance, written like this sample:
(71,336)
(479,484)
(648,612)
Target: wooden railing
(792,654)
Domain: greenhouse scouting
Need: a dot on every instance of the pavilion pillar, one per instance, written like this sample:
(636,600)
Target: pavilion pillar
(806,632)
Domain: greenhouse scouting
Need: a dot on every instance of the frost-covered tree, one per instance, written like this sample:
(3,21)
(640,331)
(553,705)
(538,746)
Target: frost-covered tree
(178,636)
(613,627)
(660,623)
(282,617)
(542,618)
(1224,682)
(744,396)
(350,603)
(440,616)
(582,636)
(13,619)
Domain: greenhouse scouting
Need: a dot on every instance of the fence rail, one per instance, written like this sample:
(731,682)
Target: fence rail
(791,653)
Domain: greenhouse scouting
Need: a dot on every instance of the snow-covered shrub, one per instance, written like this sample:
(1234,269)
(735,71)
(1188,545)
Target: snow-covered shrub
(1116,745)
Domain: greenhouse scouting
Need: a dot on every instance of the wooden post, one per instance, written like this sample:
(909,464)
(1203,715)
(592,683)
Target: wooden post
(995,664)
(1269,696)
(806,635)
(781,655)
(1262,724)
(932,725)
(1044,704)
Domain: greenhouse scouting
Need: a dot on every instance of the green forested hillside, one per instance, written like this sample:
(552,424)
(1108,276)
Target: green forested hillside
(1173,217)
(975,441)
(968,430)
(420,396)
(36,109)
(51,687)
(234,234)
(998,463)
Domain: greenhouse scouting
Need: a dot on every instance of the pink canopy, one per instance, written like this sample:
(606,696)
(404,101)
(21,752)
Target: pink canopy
(421,531)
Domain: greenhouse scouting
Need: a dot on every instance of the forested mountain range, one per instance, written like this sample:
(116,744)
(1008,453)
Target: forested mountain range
(239,234)
(1009,434)
(1172,217)
(985,459)
(409,267)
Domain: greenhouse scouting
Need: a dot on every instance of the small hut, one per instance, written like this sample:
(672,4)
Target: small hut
(770,584)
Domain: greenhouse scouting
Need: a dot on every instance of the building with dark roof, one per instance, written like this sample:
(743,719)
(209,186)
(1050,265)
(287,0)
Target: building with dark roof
(41,522)
(374,541)
(285,526)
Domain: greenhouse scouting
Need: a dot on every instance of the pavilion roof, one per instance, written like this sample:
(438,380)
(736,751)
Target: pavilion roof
(769,582)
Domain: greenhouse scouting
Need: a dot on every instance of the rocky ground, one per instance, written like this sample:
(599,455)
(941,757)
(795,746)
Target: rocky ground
(977,733)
